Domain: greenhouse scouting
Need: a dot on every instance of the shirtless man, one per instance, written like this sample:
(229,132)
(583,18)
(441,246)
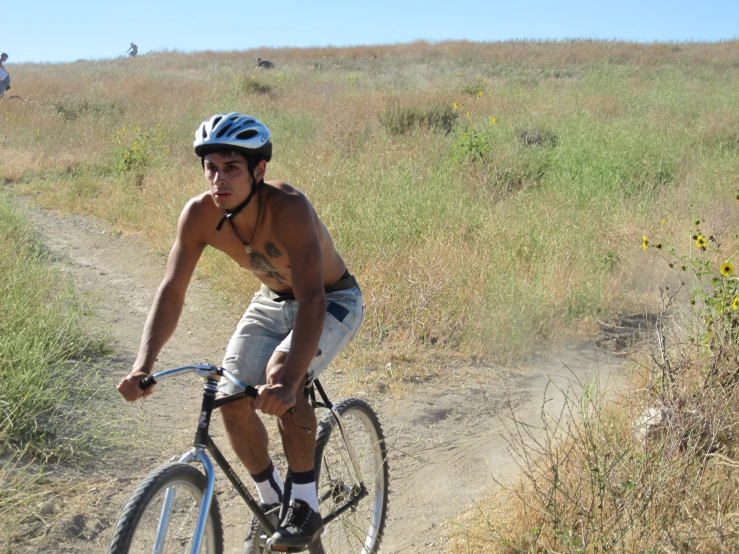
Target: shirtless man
(308,309)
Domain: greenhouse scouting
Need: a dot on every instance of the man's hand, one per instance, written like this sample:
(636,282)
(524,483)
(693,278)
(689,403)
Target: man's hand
(274,399)
(130,388)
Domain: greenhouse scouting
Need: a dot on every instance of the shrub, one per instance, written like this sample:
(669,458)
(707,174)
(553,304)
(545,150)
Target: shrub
(73,107)
(138,149)
(399,120)
(475,88)
(533,137)
(252,85)
(470,145)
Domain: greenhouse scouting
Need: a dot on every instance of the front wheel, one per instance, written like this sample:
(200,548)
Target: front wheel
(162,513)
(358,529)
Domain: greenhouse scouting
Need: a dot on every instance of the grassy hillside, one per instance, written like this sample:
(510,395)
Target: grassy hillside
(489,197)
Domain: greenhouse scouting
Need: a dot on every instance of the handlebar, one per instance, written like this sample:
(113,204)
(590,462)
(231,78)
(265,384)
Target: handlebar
(203,370)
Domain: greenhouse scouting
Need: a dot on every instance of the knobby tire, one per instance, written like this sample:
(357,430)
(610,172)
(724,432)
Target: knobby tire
(358,530)
(137,525)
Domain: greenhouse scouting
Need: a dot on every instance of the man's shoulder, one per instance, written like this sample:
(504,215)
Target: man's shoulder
(198,209)
(203,202)
(284,199)
(281,189)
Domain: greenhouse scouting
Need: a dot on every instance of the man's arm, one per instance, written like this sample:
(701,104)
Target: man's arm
(168,301)
(297,231)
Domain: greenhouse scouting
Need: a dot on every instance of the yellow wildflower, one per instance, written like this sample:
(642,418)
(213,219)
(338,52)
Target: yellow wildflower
(493,121)
(644,242)
(735,303)
(479,93)
(663,221)
(727,269)
(700,241)
(455,106)
(468,114)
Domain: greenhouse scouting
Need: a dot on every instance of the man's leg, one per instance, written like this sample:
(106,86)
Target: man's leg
(249,439)
(247,435)
(252,345)
(298,431)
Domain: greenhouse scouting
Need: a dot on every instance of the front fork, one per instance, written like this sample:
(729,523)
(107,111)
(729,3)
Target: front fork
(197,454)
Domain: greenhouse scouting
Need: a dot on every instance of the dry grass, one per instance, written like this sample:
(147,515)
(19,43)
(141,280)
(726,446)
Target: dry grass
(590,486)
(606,474)
(486,247)
(494,246)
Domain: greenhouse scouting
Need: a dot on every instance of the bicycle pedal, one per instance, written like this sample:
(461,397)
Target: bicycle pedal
(288,549)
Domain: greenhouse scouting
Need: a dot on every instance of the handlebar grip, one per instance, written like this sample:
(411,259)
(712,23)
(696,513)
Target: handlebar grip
(146,382)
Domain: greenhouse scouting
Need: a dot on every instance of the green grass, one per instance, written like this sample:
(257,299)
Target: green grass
(49,391)
(494,244)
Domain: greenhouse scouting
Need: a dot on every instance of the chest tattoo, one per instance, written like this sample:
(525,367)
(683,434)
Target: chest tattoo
(260,262)
(271,250)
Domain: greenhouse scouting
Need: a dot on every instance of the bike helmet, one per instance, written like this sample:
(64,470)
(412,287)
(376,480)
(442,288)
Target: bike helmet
(233,130)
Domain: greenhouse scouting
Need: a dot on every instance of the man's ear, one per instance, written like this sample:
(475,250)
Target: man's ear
(260,170)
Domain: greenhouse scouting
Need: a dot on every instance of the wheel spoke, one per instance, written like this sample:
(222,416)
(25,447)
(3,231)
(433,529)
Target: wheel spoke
(161,515)
(358,529)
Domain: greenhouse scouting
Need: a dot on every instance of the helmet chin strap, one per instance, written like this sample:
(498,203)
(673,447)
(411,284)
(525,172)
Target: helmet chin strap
(230,214)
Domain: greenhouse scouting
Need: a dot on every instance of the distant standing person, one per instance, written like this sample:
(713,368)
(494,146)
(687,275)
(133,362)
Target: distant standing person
(4,75)
(133,50)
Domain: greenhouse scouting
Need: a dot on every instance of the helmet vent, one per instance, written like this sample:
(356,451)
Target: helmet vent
(243,135)
(216,120)
(224,130)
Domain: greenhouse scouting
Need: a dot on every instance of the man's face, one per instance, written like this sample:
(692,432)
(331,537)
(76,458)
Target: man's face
(228,178)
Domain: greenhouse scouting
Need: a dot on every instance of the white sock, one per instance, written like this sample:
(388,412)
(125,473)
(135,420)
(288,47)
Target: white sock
(307,493)
(269,485)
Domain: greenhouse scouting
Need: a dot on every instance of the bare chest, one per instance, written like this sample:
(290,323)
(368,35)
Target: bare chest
(263,255)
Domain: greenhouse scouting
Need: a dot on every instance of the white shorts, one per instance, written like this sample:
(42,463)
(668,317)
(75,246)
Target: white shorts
(266,328)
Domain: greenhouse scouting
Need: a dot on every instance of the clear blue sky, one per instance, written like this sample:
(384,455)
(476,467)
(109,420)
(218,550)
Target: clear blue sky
(62,31)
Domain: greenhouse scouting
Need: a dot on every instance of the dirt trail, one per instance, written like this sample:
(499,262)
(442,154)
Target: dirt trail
(446,448)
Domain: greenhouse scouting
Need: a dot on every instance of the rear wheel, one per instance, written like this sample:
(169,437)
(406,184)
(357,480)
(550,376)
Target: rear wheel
(359,529)
(138,528)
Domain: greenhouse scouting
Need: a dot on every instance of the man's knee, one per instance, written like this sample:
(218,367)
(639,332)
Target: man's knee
(236,414)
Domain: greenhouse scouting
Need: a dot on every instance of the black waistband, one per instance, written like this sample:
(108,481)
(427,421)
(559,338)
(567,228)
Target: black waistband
(346,282)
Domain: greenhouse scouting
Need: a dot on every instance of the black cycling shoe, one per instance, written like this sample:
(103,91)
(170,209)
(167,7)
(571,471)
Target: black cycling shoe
(300,526)
(253,542)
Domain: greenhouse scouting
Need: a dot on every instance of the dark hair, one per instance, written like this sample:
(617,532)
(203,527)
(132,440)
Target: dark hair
(251,159)
(4,54)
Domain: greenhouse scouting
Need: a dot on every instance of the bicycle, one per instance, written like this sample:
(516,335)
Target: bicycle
(174,509)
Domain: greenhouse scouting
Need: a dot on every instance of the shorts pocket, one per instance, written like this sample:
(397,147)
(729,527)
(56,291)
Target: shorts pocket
(337,310)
